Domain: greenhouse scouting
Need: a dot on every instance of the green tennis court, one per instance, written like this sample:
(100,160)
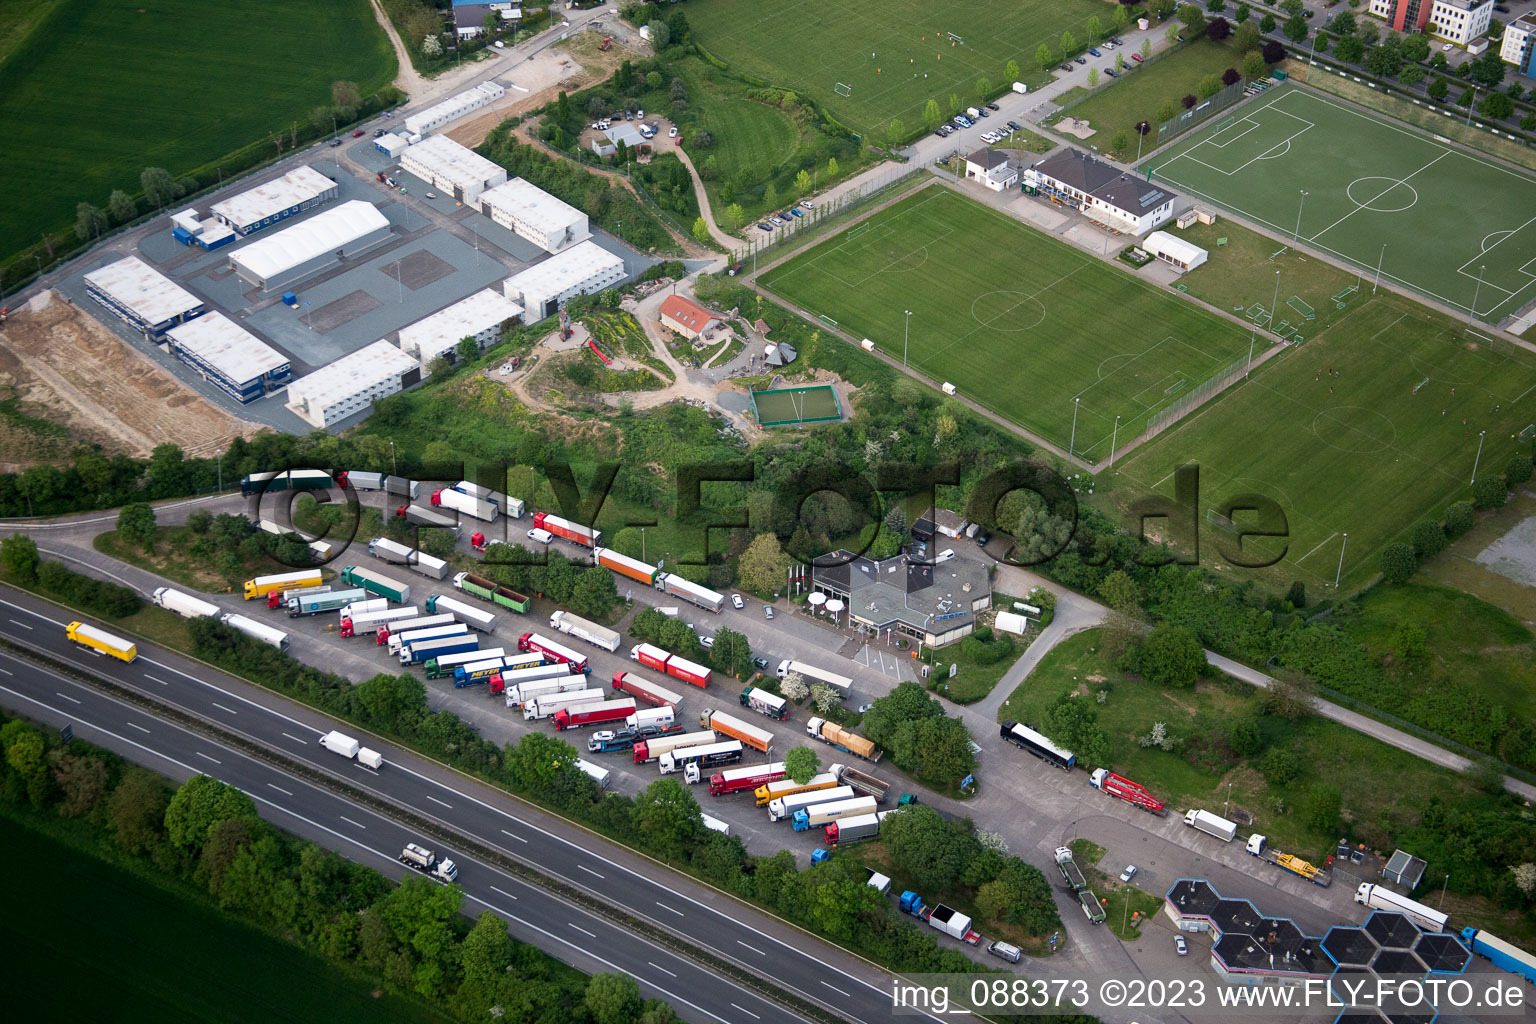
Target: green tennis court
(789,407)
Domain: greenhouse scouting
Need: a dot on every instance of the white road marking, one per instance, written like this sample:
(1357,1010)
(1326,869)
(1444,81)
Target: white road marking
(23,625)
(588,870)
(663,970)
(349,821)
(752,948)
(133,725)
(439,802)
(152,679)
(296,739)
(503,892)
(584,931)
(205,756)
(518,838)
(280,789)
(7,671)
(221,707)
(746,1011)
(674,910)
(67,697)
(834,988)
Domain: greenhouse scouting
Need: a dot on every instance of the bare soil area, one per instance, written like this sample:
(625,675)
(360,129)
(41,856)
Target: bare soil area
(68,368)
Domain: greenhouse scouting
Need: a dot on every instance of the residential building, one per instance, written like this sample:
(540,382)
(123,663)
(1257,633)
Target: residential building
(935,603)
(1459,21)
(481,317)
(583,269)
(350,385)
(230,357)
(457,170)
(142,297)
(1517,48)
(301,189)
(686,317)
(1100,191)
(306,247)
(990,167)
(534,214)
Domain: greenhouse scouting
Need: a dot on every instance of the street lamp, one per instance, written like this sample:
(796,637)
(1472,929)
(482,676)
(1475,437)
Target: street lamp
(904,339)
(1472,310)
(392,460)
(1296,237)
(1072,443)
(1340,571)
(1482,435)
(1113,439)
(642,543)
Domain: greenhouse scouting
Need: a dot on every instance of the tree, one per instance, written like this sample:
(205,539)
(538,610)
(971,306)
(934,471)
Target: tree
(1496,105)
(1295,29)
(1167,112)
(983,87)
(1439,89)
(1171,656)
(1414,48)
(1246,37)
(136,810)
(1189,101)
(200,804)
(733,217)
(1011,71)
(1193,18)
(1343,24)
(613,998)
(90,221)
(594,592)
(1267,23)
(824,697)
(1146,49)
(927,846)
(1244,737)
(1068,45)
(1398,563)
(1528,123)
(1411,75)
(540,763)
(832,169)
(1490,492)
(18,554)
(468,350)
(1294,8)
(1242,14)
(1209,86)
(770,196)
(1409,642)
(1215,6)
(345,94)
(1428,538)
(1465,100)
(1120,591)
(667,815)
(661,35)
(1274,52)
(1163,9)
(803,179)
(82,780)
(159,187)
(136,523)
(1321,810)
(1519,469)
(1459,518)
(1093,77)
(1122,18)
(431,46)
(1297,595)
(1231,76)
(1280,767)
(801,763)
(1171,36)
(1095,28)
(1044,57)
(1384,61)
(1121,143)
(700,231)
(932,117)
(122,206)
(1218,29)
(794,687)
(486,951)
(764,566)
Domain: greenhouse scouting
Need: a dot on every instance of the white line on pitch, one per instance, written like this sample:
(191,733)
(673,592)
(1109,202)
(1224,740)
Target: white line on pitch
(518,838)
(583,931)
(67,697)
(504,893)
(752,948)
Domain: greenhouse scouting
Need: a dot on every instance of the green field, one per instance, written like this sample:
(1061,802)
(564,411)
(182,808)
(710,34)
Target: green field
(163,958)
(101,89)
(1138,94)
(1018,321)
(1376,194)
(1360,453)
(795,46)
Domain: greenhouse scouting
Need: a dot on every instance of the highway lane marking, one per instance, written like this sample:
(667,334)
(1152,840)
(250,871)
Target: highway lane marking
(152,679)
(660,968)
(349,821)
(674,910)
(834,988)
(518,838)
(35,615)
(133,725)
(588,870)
(746,1011)
(221,707)
(503,892)
(23,625)
(439,802)
(752,948)
(232,695)
(583,931)
(280,789)
(203,755)
(296,739)
(69,698)
(7,671)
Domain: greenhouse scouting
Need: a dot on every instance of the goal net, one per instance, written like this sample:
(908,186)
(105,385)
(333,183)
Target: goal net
(843,89)
(954,38)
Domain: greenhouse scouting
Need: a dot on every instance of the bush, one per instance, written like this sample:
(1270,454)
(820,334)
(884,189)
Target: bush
(1398,563)
(1490,492)
(1280,767)
(1519,469)
(1459,518)
(1428,538)
(1171,656)
(1244,738)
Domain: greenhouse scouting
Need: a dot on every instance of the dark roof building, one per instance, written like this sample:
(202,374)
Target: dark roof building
(935,603)
(1102,191)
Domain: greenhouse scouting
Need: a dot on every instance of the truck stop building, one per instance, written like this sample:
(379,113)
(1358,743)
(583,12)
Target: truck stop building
(302,188)
(547,222)
(933,603)
(304,248)
(229,357)
(480,317)
(352,383)
(582,269)
(454,107)
(457,170)
(142,297)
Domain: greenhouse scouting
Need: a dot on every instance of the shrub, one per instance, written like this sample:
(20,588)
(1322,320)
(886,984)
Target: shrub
(1398,563)
(1490,492)
(1280,767)
(1428,538)
(1459,518)
(1519,469)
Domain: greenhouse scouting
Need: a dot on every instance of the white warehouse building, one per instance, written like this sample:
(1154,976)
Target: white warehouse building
(457,170)
(453,108)
(302,188)
(582,269)
(230,357)
(352,383)
(480,317)
(547,222)
(142,297)
(306,247)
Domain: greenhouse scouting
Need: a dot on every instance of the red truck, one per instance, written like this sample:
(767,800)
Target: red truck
(678,668)
(553,651)
(645,691)
(601,713)
(633,568)
(734,780)
(574,532)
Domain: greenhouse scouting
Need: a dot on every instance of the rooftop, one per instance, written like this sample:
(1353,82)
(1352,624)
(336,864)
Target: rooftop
(1172,245)
(579,262)
(1124,191)
(686,313)
(446,159)
(442,331)
(324,232)
(625,133)
(933,598)
(987,158)
(152,296)
(530,204)
(350,374)
(1405,869)
(456,106)
(254,205)
(227,347)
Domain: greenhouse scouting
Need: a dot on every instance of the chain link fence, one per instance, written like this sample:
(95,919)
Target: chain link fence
(827,211)
(1171,414)
(1200,112)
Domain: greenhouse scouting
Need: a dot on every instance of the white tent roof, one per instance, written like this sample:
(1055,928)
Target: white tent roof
(322,233)
(1161,243)
(426,339)
(227,347)
(447,161)
(578,263)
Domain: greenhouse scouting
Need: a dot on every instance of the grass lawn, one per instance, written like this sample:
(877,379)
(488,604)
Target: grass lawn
(1294,157)
(1241,275)
(100,90)
(1360,453)
(18,18)
(1137,95)
(1377,781)
(1126,908)
(1028,331)
(172,560)
(867,49)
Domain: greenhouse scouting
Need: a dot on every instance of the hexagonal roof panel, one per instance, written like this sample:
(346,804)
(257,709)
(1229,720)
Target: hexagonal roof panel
(1398,961)
(1347,945)
(1236,915)
(1442,952)
(1193,897)
(1391,929)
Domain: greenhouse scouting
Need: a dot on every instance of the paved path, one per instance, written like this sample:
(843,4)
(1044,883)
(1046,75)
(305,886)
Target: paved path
(731,243)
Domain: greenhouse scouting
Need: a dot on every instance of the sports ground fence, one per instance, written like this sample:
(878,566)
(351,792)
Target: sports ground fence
(827,212)
(1194,398)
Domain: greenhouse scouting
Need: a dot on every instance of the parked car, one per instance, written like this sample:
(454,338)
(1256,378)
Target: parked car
(431,195)
(1066,67)
(982,538)
(1129,873)
(706,642)
(865,709)
(1015,126)
(1180,945)
(1112,73)
(1006,950)
(761,663)
(1117,41)
(734,270)
(1109,45)
(737,602)
(379,131)
(767,611)
(764,227)
(1138,58)
(335,143)
(540,536)
(941,133)
(993,106)
(672,132)
(359,133)
(1094,52)
(1080,60)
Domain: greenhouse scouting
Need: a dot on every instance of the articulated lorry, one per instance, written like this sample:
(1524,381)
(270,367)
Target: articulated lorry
(603,712)
(509,506)
(102,642)
(419,651)
(553,651)
(261,586)
(369,623)
(474,618)
(573,532)
(645,691)
(545,706)
(445,666)
(735,780)
(765,703)
(257,630)
(425,861)
(377,583)
(490,590)
(820,814)
(856,829)
(185,605)
(734,728)
(418,515)
(862,782)
(346,746)
(780,808)
(677,667)
(1259,847)
(314,604)
(1501,954)
(812,674)
(703,597)
(652,721)
(1378,897)
(466,504)
(652,748)
(523,686)
(584,629)
(1132,793)
(279,598)
(373,604)
(947,920)
(786,788)
(474,673)
(1211,824)
(842,739)
(698,761)
(420,630)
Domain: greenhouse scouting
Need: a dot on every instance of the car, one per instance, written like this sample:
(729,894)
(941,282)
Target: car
(539,536)
(1015,126)
(807,202)
(1066,67)
(941,133)
(764,227)
(1181,38)
(1117,41)
(1094,53)
(1180,945)
(1129,873)
(706,642)
(1006,950)
(761,663)
(358,133)
(865,709)
(983,111)
(993,106)
(672,132)
(1112,73)
(767,611)
(431,195)
(1080,60)
(335,143)
(734,270)
(982,538)
(379,131)
(1501,8)
(1109,45)
(1447,47)
(737,602)
(1138,58)
(782,218)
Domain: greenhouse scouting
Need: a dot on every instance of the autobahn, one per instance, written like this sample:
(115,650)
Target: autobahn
(753,942)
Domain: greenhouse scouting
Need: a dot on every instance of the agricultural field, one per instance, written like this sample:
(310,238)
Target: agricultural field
(1362,430)
(891,57)
(98,90)
(1035,331)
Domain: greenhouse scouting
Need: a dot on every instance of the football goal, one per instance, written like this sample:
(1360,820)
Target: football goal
(955,39)
(843,89)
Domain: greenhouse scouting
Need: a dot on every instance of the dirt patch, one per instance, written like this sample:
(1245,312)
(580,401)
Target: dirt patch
(68,368)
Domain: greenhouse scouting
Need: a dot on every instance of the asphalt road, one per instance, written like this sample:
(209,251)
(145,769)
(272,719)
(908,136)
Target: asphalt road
(756,943)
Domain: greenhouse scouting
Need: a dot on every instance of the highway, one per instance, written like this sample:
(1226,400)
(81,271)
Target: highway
(818,972)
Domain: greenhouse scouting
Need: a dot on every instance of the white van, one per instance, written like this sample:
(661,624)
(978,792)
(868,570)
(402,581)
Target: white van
(945,555)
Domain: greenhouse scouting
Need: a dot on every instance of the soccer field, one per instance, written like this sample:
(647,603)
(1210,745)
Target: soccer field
(1365,430)
(1447,224)
(893,56)
(1018,321)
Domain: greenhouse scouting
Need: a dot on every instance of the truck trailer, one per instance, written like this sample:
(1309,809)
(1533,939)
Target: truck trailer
(701,759)
(100,641)
(439,667)
(373,604)
(820,814)
(428,566)
(1032,742)
(946,919)
(633,568)
(596,773)
(377,583)
(584,629)
(369,623)
(402,487)
(854,829)
(734,780)
(783,807)
(293,480)
(509,506)
(476,672)
(391,551)
(466,504)
(314,604)
(418,515)
(544,706)
(425,861)
(765,703)
(1211,824)
(812,674)
(1132,793)
(862,782)
(586,715)
(651,721)
(675,585)
(257,630)
(1500,953)
(842,739)
(261,586)
(406,637)
(646,692)
(391,630)
(652,748)
(1069,869)
(524,686)
(490,590)
(654,657)
(715,824)
(474,618)
(735,728)
(573,532)
(553,651)
(1378,898)
(785,788)
(360,480)
(185,605)
(424,650)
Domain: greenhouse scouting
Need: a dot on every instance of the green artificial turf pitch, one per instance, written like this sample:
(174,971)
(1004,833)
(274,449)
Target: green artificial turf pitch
(1019,322)
(1434,218)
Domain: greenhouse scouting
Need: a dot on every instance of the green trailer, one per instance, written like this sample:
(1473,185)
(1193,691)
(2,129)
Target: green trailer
(377,583)
(490,590)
